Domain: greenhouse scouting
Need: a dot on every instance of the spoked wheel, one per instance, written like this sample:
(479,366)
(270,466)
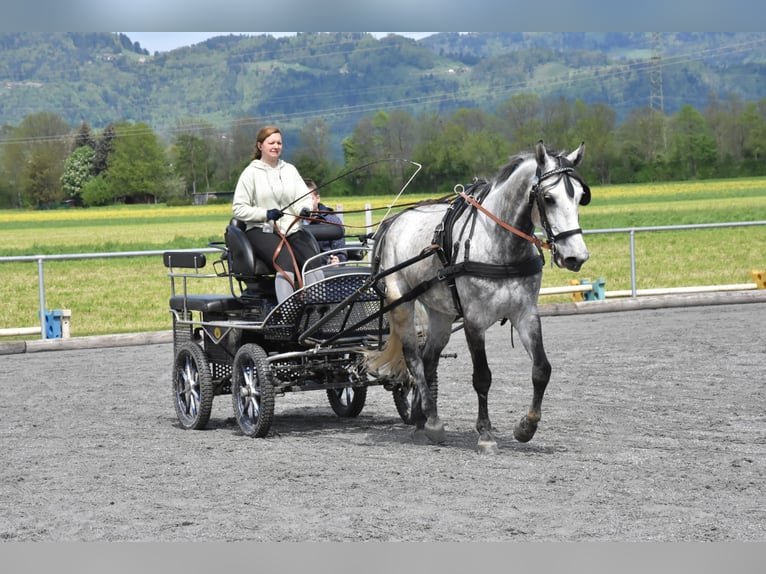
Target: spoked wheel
(347,402)
(252,390)
(192,386)
(404,395)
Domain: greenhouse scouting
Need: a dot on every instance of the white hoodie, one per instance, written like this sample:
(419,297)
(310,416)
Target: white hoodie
(262,187)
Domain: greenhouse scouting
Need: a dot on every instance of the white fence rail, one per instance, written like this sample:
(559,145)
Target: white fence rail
(582,288)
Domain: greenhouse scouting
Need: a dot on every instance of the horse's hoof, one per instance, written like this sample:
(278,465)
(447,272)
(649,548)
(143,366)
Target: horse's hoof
(524,430)
(435,431)
(487,446)
(419,437)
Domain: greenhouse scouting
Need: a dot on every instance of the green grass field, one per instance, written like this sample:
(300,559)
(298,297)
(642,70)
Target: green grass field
(129,294)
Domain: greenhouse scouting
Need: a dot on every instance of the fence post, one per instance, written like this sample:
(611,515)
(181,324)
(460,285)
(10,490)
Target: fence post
(41,287)
(368,217)
(633,290)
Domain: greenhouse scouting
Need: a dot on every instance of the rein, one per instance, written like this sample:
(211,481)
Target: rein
(531,238)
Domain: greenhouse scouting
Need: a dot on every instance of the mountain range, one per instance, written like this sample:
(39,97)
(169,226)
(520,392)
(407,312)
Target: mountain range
(101,78)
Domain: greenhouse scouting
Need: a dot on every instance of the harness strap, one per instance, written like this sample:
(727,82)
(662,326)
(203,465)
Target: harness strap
(530,266)
(531,238)
(525,268)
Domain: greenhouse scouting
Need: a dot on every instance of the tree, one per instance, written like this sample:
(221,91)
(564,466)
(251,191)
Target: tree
(312,157)
(724,118)
(396,137)
(42,181)
(754,117)
(34,158)
(78,169)
(360,150)
(521,119)
(104,146)
(640,141)
(442,153)
(233,151)
(692,146)
(192,162)
(192,153)
(595,126)
(137,166)
(96,191)
(84,137)
(557,122)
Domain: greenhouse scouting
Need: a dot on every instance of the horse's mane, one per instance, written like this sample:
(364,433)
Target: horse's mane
(514,162)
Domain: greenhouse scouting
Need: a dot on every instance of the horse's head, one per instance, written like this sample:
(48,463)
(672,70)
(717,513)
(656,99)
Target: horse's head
(556,194)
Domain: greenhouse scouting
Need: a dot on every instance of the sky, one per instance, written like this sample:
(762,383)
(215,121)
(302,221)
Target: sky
(166,41)
(353,15)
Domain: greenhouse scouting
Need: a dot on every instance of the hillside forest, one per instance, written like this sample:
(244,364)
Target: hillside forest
(48,159)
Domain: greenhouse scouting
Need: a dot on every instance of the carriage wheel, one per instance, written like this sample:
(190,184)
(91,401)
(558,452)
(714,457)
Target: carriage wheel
(404,394)
(252,390)
(192,386)
(347,402)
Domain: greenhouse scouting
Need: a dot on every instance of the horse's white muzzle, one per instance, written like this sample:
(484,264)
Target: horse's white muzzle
(571,254)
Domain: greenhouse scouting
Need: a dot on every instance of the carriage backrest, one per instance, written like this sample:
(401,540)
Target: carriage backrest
(242,259)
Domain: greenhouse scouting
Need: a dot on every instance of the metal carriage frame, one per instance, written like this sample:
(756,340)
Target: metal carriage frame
(244,344)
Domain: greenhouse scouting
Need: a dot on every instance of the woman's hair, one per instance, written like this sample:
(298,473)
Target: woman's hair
(263,133)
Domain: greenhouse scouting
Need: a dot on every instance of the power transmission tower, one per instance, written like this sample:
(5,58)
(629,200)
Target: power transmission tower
(656,99)
(655,75)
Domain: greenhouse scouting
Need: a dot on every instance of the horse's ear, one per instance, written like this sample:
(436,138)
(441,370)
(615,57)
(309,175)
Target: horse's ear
(540,153)
(575,157)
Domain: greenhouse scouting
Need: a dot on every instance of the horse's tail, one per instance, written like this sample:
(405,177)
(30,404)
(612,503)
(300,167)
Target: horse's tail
(389,360)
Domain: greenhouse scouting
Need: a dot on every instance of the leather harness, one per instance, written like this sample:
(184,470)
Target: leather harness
(444,246)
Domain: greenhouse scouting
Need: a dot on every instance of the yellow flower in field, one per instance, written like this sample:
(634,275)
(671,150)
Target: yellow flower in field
(680,188)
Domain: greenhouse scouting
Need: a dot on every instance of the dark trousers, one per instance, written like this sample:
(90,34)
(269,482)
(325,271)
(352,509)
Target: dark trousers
(303,247)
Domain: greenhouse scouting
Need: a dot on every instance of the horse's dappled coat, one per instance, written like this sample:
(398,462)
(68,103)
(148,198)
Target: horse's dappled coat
(489,269)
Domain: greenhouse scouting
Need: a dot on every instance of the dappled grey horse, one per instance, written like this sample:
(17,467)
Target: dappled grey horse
(477,258)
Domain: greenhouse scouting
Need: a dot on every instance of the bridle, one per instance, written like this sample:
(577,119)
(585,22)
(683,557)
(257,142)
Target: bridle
(536,198)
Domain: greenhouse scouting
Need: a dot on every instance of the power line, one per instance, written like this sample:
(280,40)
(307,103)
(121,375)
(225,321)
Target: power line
(653,66)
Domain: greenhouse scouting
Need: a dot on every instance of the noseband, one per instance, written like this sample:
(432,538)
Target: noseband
(536,198)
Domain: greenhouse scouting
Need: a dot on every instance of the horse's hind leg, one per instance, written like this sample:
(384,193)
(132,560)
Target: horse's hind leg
(532,338)
(424,411)
(482,380)
(438,334)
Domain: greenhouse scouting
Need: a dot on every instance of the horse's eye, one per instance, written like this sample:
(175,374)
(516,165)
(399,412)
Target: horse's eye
(549,199)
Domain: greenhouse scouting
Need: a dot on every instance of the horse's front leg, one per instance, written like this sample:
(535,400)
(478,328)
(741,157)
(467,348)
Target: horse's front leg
(532,338)
(482,380)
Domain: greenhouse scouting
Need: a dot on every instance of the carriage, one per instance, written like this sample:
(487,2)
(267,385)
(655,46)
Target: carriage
(383,318)
(244,344)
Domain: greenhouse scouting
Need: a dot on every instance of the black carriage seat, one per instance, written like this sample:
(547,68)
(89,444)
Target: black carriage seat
(255,274)
(243,261)
(242,258)
(195,261)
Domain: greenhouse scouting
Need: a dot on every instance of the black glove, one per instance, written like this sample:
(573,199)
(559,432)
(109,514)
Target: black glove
(273,214)
(305,212)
